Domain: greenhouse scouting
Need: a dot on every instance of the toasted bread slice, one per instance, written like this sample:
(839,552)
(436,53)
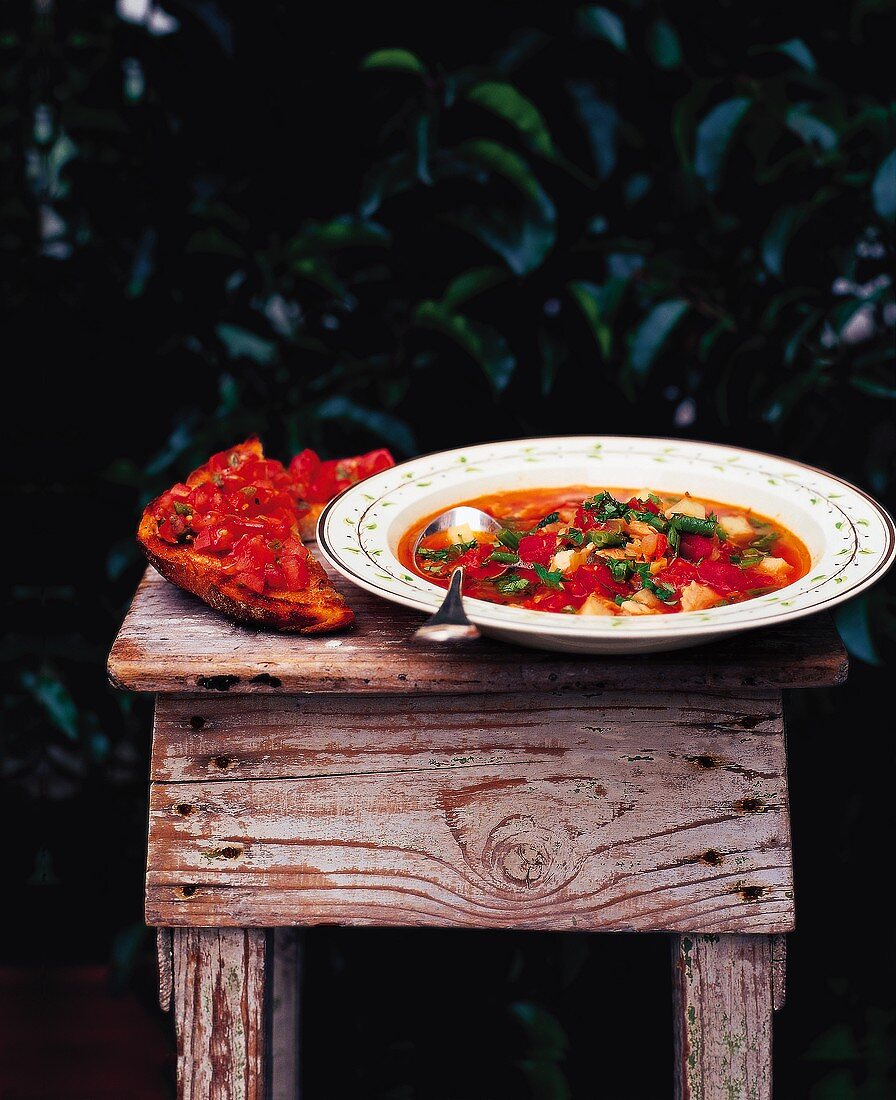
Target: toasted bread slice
(312,607)
(315,609)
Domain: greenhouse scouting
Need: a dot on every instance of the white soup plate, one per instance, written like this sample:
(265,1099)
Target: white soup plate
(851,538)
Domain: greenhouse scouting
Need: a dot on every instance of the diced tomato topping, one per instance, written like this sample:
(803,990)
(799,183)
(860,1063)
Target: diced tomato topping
(321,481)
(537,549)
(244,508)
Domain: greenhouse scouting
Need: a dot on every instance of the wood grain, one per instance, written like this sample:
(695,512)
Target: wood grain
(597,813)
(172,642)
(722,998)
(219,992)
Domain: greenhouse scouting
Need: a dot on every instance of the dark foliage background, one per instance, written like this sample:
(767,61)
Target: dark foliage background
(424,227)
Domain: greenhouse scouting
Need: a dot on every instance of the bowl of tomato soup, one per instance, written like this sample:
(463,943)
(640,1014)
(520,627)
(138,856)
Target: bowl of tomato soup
(612,544)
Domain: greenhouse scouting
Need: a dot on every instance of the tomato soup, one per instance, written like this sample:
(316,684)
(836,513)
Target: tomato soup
(581,551)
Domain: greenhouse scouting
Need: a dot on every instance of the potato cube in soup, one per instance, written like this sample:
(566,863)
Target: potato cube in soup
(776,568)
(594,605)
(737,528)
(698,597)
(686,507)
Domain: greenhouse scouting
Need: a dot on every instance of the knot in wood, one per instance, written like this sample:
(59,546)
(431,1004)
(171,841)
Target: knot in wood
(523,855)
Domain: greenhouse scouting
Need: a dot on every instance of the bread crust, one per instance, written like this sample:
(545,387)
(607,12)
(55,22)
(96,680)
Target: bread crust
(315,609)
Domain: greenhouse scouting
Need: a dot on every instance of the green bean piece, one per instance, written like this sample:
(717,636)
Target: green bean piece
(603,540)
(690,525)
(503,557)
(509,538)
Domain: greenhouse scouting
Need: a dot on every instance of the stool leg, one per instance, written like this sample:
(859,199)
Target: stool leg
(723,1002)
(219,1012)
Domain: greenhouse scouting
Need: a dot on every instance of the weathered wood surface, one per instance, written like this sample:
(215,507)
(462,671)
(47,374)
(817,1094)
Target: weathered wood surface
(219,1003)
(165,960)
(610,812)
(722,1000)
(172,642)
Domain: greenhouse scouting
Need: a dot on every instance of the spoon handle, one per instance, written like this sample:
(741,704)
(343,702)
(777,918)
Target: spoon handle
(450,623)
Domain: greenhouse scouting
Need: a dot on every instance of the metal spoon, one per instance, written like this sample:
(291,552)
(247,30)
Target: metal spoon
(450,623)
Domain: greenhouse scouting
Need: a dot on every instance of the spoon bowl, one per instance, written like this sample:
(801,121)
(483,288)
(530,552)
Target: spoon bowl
(450,623)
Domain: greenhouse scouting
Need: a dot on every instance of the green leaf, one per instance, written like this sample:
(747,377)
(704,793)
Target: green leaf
(394,60)
(546,1039)
(855,629)
(811,129)
(599,305)
(797,50)
(381,425)
(522,236)
(663,45)
(55,699)
(485,345)
(385,179)
(600,121)
(507,102)
(348,231)
(714,136)
(778,235)
(652,334)
(471,283)
(599,22)
(212,242)
(883,188)
(421,148)
(240,343)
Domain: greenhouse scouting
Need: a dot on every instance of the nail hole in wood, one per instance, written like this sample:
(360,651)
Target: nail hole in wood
(749,805)
(704,761)
(188,891)
(221,762)
(712,857)
(752,893)
(185,809)
(196,722)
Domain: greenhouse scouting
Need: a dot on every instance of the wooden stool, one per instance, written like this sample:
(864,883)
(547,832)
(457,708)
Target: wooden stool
(354,779)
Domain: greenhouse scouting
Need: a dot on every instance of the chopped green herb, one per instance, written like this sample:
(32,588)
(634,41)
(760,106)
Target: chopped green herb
(605,506)
(619,600)
(674,539)
(748,558)
(621,569)
(662,591)
(658,523)
(653,498)
(575,536)
(447,553)
(551,579)
(510,582)
(552,518)
(182,509)
(765,542)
